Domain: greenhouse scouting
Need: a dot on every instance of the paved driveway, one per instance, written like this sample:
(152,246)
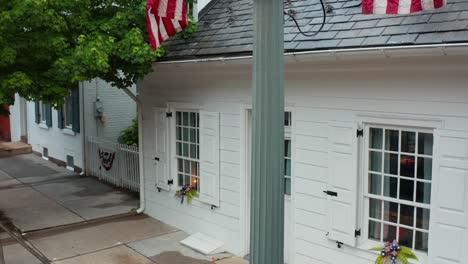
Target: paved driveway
(37,194)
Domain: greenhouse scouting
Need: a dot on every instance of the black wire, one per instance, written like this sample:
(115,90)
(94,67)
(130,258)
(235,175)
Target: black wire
(321,27)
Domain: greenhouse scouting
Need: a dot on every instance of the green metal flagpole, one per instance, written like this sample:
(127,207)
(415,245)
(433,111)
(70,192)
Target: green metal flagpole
(267,205)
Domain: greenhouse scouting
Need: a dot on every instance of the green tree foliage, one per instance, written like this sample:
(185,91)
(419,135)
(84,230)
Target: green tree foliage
(130,135)
(46,46)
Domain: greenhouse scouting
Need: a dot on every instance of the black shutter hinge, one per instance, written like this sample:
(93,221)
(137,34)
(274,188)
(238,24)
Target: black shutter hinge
(156,158)
(360,133)
(339,244)
(170,182)
(357,233)
(331,193)
(169,114)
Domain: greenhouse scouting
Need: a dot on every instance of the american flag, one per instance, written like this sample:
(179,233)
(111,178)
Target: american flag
(399,6)
(165,18)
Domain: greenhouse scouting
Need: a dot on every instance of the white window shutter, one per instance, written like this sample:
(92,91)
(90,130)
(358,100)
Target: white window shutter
(343,178)
(161,129)
(209,158)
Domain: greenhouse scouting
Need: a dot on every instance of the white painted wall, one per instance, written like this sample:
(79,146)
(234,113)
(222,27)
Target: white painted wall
(119,110)
(60,143)
(319,92)
(15,120)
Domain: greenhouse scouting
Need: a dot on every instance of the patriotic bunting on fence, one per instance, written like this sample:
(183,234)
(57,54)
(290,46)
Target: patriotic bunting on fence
(164,19)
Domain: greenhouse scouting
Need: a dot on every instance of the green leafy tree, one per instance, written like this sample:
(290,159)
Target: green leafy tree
(46,46)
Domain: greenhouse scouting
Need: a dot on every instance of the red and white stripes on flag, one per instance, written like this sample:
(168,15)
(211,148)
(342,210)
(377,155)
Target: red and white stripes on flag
(399,6)
(165,18)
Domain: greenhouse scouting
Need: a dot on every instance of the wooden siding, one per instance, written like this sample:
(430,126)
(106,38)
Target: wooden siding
(319,94)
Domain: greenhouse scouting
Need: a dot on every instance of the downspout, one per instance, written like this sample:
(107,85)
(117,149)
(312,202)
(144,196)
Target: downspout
(83,128)
(140,147)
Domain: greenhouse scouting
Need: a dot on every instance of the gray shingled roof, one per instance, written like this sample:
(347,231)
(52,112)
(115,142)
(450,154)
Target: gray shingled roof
(226,28)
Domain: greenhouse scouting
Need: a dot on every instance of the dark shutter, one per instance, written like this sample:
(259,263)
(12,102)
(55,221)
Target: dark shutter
(75,94)
(60,118)
(38,112)
(48,113)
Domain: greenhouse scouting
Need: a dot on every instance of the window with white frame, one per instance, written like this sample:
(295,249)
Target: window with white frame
(399,178)
(68,113)
(42,112)
(287,152)
(188,148)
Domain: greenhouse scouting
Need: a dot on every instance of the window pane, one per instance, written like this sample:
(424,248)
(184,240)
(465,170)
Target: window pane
(178,118)
(375,209)
(375,184)
(408,141)
(185,150)
(423,193)
(389,232)
(198,184)
(193,120)
(391,140)
(193,151)
(407,215)
(425,168)
(287,148)
(187,166)
(194,168)
(374,230)
(425,143)
(407,166)
(179,133)
(422,218)
(375,161)
(194,182)
(186,180)
(287,186)
(180,179)
(406,190)
(287,167)
(287,118)
(391,212)
(179,148)
(422,241)
(390,187)
(180,165)
(185,134)
(193,135)
(185,117)
(376,138)
(391,163)
(406,237)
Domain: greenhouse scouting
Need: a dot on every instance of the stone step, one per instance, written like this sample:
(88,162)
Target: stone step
(8,149)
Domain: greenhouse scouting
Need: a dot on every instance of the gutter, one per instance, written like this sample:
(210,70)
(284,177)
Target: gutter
(331,52)
(83,128)
(140,147)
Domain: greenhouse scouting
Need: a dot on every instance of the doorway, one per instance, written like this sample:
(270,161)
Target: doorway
(287,196)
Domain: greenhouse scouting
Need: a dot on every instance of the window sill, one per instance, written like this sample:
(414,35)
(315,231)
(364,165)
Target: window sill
(43,126)
(70,168)
(366,245)
(68,131)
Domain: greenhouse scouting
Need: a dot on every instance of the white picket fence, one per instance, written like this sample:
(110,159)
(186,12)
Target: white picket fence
(117,164)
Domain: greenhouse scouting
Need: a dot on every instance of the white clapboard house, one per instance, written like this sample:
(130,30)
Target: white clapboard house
(93,109)
(376,132)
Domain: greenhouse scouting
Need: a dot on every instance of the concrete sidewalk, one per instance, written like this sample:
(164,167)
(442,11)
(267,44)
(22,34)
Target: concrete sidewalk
(73,219)
(36,194)
(136,239)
